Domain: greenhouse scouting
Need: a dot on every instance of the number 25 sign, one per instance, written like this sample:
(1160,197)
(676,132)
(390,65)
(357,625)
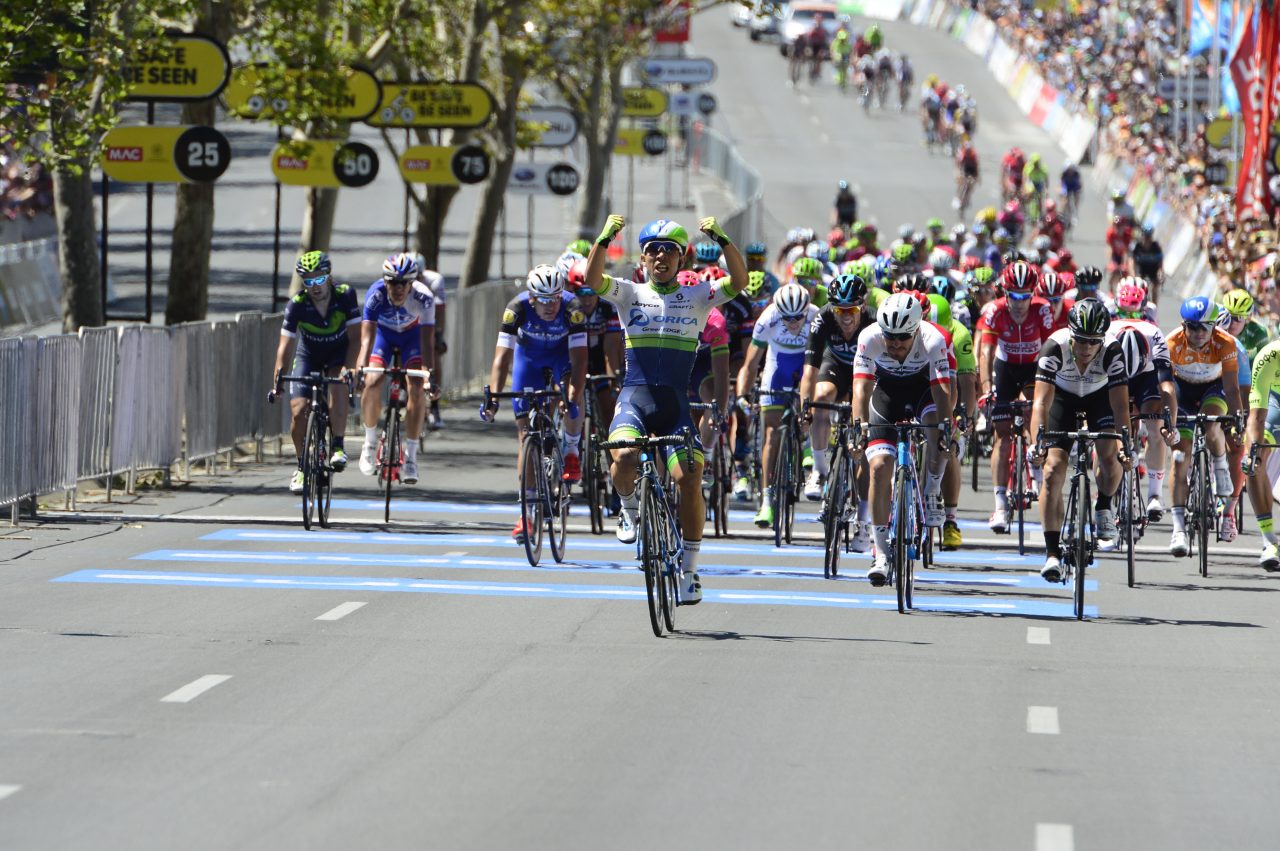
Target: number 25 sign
(144,154)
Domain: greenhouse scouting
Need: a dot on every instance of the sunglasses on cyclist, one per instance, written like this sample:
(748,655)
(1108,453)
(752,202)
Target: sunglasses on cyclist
(1086,341)
(546,299)
(808,282)
(397,282)
(898,338)
(847,310)
(1018,296)
(316,282)
(1197,326)
(799,317)
(653,249)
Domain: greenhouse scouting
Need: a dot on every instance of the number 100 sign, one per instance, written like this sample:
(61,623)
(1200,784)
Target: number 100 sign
(146,154)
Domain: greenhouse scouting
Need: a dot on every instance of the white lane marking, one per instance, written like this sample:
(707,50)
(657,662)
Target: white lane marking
(194,689)
(1043,720)
(340,612)
(1037,635)
(1054,837)
(7,789)
(455,554)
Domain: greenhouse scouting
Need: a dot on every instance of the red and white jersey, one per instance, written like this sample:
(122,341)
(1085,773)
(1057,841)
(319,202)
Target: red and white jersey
(1016,342)
(927,359)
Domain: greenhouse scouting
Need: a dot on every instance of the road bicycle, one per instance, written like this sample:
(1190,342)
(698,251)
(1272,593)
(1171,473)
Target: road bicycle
(1204,510)
(317,467)
(982,445)
(909,538)
(544,494)
(595,466)
(390,457)
(840,494)
(1079,539)
(752,440)
(659,545)
(1131,509)
(964,194)
(1021,491)
(786,479)
(717,476)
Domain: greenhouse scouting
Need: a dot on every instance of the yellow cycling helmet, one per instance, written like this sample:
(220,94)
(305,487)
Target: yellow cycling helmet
(1238,303)
(755,282)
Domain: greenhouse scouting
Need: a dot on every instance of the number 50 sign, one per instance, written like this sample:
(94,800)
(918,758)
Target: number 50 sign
(145,154)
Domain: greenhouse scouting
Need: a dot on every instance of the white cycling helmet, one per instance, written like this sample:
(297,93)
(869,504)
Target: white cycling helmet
(545,281)
(565,262)
(1135,348)
(900,314)
(941,261)
(792,300)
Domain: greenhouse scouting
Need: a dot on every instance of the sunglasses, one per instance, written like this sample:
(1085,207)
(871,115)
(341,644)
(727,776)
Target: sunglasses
(808,282)
(1087,341)
(316,282)
(546,299)
(799,317)
(653,249)
(1197,326)
(1054,299)
(397,283)
(848,310)
(1018,296)
(898,338)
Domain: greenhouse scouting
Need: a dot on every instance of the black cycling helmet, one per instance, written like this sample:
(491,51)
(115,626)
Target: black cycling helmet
(1089,276)
(913,282)
(943,286)
(1089,318)
(847,290)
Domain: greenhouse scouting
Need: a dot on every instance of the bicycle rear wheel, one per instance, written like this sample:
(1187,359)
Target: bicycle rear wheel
(309,507)
(531,499)
(557,501)
(651,558)
(833,514)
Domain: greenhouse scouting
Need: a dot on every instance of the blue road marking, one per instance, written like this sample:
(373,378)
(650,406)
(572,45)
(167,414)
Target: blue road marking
(923,577)
(583,542)
(1032,608)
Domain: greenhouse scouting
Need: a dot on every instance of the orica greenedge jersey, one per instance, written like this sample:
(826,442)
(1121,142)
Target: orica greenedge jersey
(662,325)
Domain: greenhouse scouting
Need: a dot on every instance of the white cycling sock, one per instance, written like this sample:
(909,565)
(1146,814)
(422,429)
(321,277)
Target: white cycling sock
(630,501)
(1179,518)
(689,561)
(881,535)
(1155,482)
(933,484)
(864,511)
(822,463)
(410,449)
(371,436)
(1221,477)
(1002,498)
(569,440)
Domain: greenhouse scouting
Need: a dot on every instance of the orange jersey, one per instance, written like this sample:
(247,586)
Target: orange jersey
(1200,366)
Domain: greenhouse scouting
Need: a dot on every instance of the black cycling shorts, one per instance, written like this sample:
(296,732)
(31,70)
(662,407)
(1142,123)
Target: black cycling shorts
(315,359)
(1010,380)
(838,373)
(1062,414)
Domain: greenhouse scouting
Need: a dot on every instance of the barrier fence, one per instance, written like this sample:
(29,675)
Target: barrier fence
(717,155)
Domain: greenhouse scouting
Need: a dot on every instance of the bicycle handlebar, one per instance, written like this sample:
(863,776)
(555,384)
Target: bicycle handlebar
(395,370)
(645,442)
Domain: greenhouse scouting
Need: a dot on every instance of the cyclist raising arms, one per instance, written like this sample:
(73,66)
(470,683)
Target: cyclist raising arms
(662,322)
(323,321)
(399,313)
(901,363)
(1080,369)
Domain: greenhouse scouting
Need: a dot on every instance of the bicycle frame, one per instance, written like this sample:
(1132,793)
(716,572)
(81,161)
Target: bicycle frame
(1203,508)
(317,472)
(390,456)
(840,496)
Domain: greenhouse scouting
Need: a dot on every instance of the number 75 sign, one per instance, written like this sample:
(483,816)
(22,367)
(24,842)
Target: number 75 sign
(145,154)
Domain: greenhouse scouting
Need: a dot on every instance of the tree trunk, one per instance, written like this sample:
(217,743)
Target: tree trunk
(317,227)
(600,142)
(78,259)
(188,292)
(432,212)
(475,267)
(188,299)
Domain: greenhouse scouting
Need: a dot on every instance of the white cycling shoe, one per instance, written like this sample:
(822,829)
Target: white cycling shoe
(626,526)
(1178,544)
(690,589)
(878,575)
(368,463)
(862,538)
(1104,522)
(1052,570)
(409,471)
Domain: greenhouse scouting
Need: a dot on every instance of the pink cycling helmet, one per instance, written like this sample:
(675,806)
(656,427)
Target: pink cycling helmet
(688,278)
(1131,294)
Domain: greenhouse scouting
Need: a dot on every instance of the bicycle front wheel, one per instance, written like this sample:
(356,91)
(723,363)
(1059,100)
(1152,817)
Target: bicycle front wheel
(1081,546)
(556,505)
(324,474)
(1020,488)
(651,557)
(391,460)
(1129,508)
(1205,513)
(833,514)
(780,483)
(591,479)
(309,507)
(795,475)
(901,561)
(531,503)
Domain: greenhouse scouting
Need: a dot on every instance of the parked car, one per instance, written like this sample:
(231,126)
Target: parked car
(764,24)
(742,15)
(797,19)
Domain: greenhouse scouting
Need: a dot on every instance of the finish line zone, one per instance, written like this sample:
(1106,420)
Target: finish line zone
(463,562)
(631,594)
(582,542)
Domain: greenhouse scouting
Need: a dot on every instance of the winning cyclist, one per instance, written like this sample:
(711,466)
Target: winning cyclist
(1080,369)
(1205,362)
(323,321)
(399,313)
(542,328)
(901,363)
(662,322)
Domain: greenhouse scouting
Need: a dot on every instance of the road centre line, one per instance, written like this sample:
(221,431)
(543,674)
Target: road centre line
(1043,720)
(1037,635)
(7,789)
(337,613)
(1054,837)
(195,688)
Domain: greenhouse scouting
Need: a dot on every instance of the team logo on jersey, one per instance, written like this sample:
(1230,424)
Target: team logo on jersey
(508,316)
(637,318)
(576,318)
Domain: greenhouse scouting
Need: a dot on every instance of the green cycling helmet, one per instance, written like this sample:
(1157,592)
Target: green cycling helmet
(934,224)
(578,246)
(806,267)
(1238,303)
(982,275)
(313,264)
(755,283)
(902,253)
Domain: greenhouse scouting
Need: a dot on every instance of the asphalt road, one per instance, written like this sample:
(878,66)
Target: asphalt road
(191,669)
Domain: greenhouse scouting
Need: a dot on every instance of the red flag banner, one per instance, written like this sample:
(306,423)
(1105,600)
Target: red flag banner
(1244,72)
(1269,67)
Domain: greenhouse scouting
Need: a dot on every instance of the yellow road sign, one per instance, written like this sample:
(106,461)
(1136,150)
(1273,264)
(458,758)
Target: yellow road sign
(146,154)
(445,104)
(638,102)
(305,163)
(246,98)
(1217,133)
(193,67)
(428,164)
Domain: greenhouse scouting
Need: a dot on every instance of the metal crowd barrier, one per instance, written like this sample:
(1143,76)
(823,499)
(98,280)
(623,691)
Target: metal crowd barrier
(472,332)
(116,401)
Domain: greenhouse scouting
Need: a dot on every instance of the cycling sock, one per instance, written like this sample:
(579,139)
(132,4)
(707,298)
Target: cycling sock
(339,442)
(570,442)
(1179,518)
(933,484)
(1221,476)
(410,450)
(630,501)
(1265,526)
(1002,498)
(689,561)
(1155,482)
(1053,543)
(881,535)
(951,513)
(864,511)
(371,436)
(821,463)
(1103,502)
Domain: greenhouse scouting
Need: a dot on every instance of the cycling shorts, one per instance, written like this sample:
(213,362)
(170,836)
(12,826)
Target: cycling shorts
(701,372)
(409,342)
(1196,398)
(838,373)
(891,404)
(654,409)
(309,359)
(1273,418)
(1144,387)
(1010,380)
(784,371)
(1062,414)
(528,372)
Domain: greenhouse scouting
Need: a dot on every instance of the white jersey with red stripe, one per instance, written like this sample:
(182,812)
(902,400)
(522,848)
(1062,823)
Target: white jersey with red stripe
(928,358)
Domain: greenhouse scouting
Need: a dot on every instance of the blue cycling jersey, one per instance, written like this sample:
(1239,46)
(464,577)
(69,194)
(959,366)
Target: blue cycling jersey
(534,337)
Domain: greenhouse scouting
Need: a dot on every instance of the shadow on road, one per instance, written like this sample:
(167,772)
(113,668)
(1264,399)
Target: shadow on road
(728,635)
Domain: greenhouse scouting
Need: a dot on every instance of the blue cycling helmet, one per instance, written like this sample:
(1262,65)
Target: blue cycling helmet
(943,286)
(847,290)
(666,231)
(707,252)
(756,249)
(883,268)
(399,267)
(1199,309)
